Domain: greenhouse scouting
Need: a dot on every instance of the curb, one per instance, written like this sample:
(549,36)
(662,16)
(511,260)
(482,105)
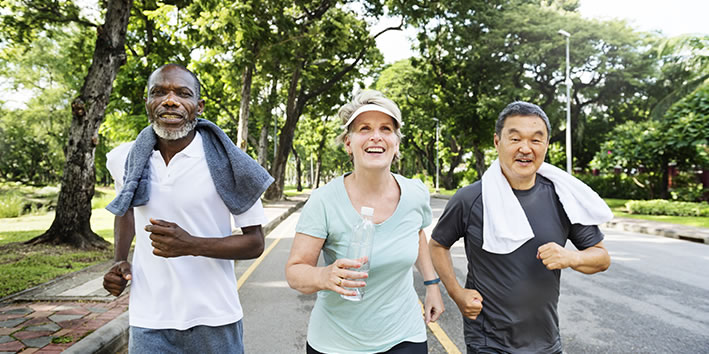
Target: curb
(676,232)
(274,223)
(110,338)
(113,336)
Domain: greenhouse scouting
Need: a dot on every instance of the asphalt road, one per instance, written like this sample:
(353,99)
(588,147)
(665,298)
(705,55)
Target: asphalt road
(653,299)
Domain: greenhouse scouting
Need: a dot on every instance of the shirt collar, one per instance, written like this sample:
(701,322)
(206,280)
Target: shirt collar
(194,149)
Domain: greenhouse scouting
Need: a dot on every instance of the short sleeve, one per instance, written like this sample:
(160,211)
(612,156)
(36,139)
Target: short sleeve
(313,218)
(115,163)
(426,213)
(585,236)
(453,222)
(252,217)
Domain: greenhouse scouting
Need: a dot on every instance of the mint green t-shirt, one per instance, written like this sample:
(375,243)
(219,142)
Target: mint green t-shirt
(389,313)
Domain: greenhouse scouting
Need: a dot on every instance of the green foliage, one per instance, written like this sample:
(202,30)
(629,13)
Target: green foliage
(556,155)
(26,156)
(643,186)
(11,204)
(685,66)
(665,207)
(50,67)
(686,126)
(17,199)
(632,144)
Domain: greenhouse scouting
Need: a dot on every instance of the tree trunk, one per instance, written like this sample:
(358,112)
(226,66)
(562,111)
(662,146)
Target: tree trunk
(318,165)
(243,130)
(268,117)
(449,180)
(298,171)
(72,221)
(263,146)
(297,98)
(294,107)
(479,160)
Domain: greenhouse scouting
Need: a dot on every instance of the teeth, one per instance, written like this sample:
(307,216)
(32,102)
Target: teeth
(375,149)
(170,116)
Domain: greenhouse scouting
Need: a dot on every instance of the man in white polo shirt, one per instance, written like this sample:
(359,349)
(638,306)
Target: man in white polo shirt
(178,199)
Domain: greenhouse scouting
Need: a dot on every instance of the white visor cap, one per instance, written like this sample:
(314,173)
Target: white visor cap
(372,107)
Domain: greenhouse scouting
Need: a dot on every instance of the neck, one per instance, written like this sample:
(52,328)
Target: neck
(169,148)
(521,185)
(371,181)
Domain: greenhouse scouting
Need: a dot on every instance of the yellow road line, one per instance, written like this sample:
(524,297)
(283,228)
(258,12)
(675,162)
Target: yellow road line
(442,337)
(256,263)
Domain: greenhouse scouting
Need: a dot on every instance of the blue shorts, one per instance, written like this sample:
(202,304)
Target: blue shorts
(198,339)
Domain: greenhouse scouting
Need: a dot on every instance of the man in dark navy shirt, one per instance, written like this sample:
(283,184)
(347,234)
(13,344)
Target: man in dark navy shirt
(509,301)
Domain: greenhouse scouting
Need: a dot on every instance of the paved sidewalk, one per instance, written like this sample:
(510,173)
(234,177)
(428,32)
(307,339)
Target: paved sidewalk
(75,314)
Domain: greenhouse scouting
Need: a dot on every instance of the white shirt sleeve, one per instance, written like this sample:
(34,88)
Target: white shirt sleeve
(115,163)
(254,216)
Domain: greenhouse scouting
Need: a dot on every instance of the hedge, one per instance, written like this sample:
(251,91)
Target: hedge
(665,207)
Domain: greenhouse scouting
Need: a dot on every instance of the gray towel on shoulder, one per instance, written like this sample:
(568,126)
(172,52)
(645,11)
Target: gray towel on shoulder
(239,179)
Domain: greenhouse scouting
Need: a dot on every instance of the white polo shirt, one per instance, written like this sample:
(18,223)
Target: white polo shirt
(182,292)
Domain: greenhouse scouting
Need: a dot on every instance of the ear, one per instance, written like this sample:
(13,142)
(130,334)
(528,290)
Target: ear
(346,141)
(496,140)
(200,107)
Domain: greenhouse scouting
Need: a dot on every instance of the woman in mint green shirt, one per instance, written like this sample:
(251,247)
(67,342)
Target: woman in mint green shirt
(388,318)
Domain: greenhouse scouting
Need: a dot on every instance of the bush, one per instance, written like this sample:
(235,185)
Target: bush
(12,204)
(666,207)
(623,186)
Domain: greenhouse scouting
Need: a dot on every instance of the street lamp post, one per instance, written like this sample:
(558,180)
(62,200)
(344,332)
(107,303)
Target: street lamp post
(437,162)
(568,104)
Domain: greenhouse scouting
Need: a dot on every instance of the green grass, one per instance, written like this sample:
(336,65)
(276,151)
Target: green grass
(290,191)
(448,192)
(102,196)
(24,266)
(618,208)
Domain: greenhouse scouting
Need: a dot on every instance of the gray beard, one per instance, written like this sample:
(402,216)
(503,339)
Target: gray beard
(174,134)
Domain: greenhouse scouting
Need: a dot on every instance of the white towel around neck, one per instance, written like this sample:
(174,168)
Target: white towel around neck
(505,225)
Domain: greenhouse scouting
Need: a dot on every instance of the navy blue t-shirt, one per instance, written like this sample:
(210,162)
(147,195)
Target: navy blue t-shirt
(519,294)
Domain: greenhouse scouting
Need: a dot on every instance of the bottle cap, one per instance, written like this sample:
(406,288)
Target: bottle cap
(366,211)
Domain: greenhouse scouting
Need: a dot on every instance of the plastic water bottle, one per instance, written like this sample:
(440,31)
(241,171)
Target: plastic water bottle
(361,246)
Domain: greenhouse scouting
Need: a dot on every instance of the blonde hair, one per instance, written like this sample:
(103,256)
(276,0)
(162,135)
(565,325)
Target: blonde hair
(362,98)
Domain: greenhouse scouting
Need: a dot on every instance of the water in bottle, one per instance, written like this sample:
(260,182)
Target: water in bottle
(361,246)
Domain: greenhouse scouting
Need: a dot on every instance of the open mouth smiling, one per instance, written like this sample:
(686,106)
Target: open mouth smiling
(171,118)
(374,150)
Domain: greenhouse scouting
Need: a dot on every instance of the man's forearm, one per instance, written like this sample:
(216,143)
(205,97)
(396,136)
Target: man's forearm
(123,234)
(593,260)
(249,245)
(440,255)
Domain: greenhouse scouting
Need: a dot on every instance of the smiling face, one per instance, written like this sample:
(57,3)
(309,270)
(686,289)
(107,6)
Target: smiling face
(172,104)
(521,147)
(372,141)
